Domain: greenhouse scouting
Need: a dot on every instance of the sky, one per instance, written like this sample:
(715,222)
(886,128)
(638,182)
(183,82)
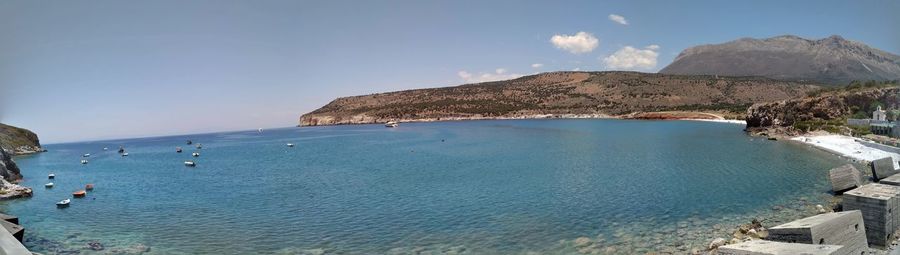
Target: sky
(94,70)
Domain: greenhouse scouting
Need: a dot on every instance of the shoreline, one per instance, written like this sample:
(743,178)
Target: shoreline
(847,147)
(632,116)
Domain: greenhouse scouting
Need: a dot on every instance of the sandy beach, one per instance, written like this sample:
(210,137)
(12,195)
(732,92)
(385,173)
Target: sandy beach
(741,122)
(848,147)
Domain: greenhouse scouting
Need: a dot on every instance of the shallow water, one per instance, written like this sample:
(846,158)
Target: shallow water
(475,187)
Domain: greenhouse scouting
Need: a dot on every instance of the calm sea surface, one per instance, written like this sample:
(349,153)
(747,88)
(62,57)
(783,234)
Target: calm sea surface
(475,187)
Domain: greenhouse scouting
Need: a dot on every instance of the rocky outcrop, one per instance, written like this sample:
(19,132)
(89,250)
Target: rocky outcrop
(559,94)
(834,107)
(19,141)
(10,172)
(8,168)
(832,60)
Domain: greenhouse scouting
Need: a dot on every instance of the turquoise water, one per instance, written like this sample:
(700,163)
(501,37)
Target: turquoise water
(476,187)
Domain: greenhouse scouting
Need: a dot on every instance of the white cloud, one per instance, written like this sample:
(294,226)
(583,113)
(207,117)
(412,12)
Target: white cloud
(582,42)
(630,58)
(498,75)
(576,69)
(618,19)
(537,65)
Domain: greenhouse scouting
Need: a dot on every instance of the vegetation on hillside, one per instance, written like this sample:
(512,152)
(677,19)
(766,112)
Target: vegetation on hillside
(609,93)
(12,138)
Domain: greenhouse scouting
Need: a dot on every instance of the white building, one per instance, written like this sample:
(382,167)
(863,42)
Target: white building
(879,115)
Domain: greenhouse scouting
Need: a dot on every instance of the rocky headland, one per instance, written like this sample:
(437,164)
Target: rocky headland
(15,141)
(19,141)
(562,95)
(827,112)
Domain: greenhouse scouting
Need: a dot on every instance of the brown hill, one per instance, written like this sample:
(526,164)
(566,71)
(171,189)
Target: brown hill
(559,93)
(18,140)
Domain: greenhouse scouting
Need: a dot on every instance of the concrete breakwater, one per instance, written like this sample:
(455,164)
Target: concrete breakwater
(866,221)
(11,238)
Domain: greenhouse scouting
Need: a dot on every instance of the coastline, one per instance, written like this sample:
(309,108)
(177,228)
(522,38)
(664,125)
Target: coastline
(688,116)
(847,147)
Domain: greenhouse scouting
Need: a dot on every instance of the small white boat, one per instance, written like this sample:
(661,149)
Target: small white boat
(199,146)
(178,149)
(63,203)
(391,124)
(49,185)
(290,145)
(105,148)
(51,176)
(195,154)
(86,155)
(84,161)
(190,163)
(125,154)
(259,130)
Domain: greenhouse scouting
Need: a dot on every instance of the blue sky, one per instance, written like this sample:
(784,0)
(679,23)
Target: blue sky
(88,70)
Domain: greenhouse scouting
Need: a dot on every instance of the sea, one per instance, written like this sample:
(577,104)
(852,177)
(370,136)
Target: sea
(554,186)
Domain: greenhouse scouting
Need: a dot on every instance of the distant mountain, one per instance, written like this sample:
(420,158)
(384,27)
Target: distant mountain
(560,94)
(831,60)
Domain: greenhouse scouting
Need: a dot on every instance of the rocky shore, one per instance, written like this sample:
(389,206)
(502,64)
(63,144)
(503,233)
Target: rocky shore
(789,118)
(9,171)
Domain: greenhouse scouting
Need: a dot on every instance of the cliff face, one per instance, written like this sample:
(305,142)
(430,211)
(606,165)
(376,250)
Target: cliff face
(18,140)
(829,60)
(578,94)
(831,107)
(8,168)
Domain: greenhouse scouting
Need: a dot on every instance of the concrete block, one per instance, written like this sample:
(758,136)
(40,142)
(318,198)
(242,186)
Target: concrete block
(762,247)
(893,180)
(845,177)
(17,231)
(9,218)
(841,228)
(882,168)
(880,208)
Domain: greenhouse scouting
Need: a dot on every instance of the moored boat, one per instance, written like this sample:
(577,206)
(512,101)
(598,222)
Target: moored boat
(391,124)
(86,155)
(195,154)
(290,145)
(121,149)
(125,154)
(84,161)
(51,176)
(79,193)
(48,185)
(189,142)
(89,187)
(63,203)
(178,149)
(199,146)
(190,163)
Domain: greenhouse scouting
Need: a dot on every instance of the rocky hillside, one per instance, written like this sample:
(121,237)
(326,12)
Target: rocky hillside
(559,93)
(8,168)
(827,112)
(18,140)
(832,60)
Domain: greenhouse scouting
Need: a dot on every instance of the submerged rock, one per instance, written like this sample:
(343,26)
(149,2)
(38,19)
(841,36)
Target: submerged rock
(583,241)
(95,245)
